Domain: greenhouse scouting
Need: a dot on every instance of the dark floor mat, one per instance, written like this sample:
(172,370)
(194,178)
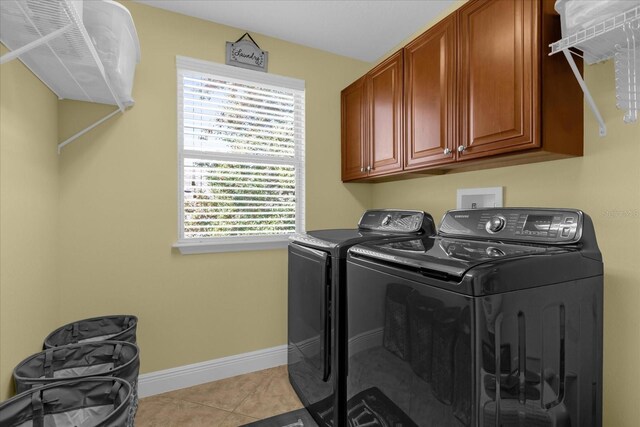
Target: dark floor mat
(299,418)
(370,407)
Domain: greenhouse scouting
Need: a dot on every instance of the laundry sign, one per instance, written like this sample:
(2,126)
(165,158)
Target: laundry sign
(247,54)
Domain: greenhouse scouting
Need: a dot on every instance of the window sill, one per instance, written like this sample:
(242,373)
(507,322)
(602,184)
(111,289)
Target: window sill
(188,247)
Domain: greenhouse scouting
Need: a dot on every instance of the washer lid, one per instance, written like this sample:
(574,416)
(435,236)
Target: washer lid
(449,258)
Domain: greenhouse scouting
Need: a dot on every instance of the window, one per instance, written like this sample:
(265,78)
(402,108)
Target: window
(241,158)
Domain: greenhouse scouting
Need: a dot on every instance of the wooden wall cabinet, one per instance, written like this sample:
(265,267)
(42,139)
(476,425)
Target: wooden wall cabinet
(499,54)
(430,81)
(516,103)
(480,91)
(372,130)
(353,106)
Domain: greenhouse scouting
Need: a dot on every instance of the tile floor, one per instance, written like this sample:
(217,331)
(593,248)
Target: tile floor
(226,403)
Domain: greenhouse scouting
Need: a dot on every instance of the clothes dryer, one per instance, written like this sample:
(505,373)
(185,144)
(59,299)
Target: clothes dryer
(316,329)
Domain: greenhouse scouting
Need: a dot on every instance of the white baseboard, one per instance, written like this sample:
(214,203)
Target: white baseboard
(212,370)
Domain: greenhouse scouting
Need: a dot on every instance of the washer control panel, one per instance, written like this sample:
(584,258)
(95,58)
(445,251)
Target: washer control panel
(394,221)
(532,225)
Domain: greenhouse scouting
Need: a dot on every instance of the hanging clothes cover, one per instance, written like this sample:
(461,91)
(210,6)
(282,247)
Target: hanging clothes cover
(91,402)
(115,327)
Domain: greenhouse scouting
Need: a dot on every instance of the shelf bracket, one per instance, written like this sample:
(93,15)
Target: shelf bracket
(585,89)
(9,56)
(82,132)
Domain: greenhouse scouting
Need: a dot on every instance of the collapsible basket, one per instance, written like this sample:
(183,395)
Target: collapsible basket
(77,361)
(90,402)
(116,328)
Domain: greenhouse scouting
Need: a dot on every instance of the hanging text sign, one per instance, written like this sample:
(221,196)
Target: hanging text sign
(247,54)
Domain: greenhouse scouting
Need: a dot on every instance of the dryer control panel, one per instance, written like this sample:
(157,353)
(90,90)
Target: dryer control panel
(396,221)
(550,226)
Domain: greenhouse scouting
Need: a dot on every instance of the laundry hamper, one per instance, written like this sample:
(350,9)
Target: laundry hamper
(89,402)
(77,361)
(117,327)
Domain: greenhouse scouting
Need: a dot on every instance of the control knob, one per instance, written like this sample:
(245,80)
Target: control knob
(495,224)
(387,220)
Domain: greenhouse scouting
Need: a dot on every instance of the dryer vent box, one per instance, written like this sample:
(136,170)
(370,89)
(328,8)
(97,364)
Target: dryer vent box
(476,198)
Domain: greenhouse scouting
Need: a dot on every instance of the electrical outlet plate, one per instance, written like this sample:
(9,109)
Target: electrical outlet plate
(476,198)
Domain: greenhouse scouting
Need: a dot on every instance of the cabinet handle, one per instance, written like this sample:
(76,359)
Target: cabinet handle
(368,168)
(447,151)
(361,169)
(461,148)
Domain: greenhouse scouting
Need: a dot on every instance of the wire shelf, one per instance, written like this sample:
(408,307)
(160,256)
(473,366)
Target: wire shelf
(627,64)
(51,40)
(598,42)
(617,37)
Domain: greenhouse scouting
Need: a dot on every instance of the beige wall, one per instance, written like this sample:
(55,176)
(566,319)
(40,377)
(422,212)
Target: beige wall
(117,212)
(118,204)
(605,183)
(29,293)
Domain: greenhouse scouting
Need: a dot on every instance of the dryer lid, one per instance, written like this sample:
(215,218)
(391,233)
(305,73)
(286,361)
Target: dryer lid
(375,224)
(327,239)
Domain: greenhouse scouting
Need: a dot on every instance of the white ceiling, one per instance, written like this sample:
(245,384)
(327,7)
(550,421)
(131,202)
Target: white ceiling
(359,29)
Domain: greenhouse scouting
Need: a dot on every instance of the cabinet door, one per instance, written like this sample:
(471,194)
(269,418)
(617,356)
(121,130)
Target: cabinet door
(430,96)
(353,106)
(498,77)
(384,90)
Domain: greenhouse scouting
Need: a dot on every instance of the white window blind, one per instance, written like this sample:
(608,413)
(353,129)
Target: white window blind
(241,154)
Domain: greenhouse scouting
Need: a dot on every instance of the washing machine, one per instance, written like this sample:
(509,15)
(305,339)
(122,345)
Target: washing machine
(317,333)
(495,321)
